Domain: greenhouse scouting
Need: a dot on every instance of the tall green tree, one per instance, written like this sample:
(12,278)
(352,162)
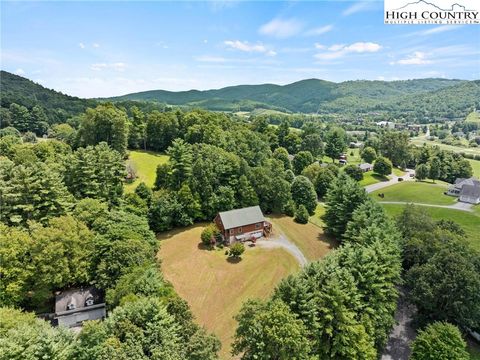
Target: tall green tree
(303,193)
(301,161)
(342,199)
(181,158)
(105,123)
(335,143)
(382,166)
(20,117)
(394,145)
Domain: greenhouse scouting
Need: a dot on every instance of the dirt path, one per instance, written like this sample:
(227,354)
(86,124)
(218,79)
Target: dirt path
(282,241)
(457,206)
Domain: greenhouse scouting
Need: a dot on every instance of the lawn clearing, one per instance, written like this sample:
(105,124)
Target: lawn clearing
(470,222)
(418,192)
(309,238)
(216,288)
(370,178)
(145,164)
(475,166)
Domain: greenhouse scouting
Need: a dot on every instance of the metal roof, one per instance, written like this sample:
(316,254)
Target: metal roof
(241,217)
(470,191)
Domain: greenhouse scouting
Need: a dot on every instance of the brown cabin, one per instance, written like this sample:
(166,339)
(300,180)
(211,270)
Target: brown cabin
(243,224)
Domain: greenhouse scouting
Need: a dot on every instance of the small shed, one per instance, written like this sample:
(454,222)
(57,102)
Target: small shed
(366,167)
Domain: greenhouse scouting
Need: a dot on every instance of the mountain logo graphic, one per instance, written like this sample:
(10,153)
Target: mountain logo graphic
(423,2)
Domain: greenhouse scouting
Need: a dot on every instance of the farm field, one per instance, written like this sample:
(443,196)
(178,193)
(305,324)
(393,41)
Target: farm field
(214,287)
(145,164)
(309,237)
(469,221)
(418,192)
(458,149)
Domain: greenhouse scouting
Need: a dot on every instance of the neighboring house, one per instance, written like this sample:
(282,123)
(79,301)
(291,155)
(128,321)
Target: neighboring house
(467,190)
(243,224)
(355,145)
(73,307)
(366,167)
(386,124)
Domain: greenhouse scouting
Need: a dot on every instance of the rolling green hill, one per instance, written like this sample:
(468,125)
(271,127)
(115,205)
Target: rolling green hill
(431,97)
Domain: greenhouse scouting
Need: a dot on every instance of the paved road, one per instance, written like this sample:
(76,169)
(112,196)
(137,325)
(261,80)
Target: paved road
(393,180)
(457,206)
(281,241)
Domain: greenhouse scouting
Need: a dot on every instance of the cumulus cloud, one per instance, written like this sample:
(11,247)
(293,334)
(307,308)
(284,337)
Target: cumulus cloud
(339,50)
(319,30)
(417,58)
(247,47)
(19,72)
(281,28)
(118,66)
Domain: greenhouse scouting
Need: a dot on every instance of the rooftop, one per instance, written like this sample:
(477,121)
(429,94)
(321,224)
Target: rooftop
(241,217)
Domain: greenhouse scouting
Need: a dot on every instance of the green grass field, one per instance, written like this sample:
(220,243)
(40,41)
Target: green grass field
(418,192)
(473,117)
(145,164)
(370,178)
(475,166)
(470,222)
(457,149)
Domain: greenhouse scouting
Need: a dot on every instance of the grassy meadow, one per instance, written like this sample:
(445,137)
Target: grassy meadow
(215,288)
(145,164)
(475,166)
(418,192)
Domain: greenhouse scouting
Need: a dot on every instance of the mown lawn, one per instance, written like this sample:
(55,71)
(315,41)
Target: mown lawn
(309,237)
(469,221)
(418,192)
(145,164)
(214,287)
(475,166)
(370,178)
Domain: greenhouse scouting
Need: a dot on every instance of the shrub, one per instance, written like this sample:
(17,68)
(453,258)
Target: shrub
(439,341)
(236,250)
(209,234)
(301,215)
(354,172)
(289,208)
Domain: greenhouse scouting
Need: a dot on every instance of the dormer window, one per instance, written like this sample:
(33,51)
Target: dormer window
(89,301)
(70,306)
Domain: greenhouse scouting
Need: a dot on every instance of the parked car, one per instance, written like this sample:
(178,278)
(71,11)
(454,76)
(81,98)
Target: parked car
(400,179)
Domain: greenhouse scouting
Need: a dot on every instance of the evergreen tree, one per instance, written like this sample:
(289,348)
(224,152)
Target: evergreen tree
(181,158)
(246,195)
(304,194)
(336,143)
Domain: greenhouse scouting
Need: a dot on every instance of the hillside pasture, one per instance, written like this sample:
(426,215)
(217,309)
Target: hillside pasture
(475,166)
(214,287)
(145,164)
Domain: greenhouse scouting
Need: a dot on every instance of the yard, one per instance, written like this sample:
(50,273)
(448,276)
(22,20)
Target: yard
(309,237)
(475,166)
(418,192)
(214,287)
(469,221)
(145,164)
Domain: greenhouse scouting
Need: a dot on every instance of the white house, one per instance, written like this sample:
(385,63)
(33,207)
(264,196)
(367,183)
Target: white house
(467,190)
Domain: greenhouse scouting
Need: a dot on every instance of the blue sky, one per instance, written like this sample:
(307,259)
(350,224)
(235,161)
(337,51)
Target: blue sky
(92,49)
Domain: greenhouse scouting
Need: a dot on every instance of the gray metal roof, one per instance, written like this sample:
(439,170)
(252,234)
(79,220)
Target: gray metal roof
(365,166)
(77,297)
(241,217)
(470,191)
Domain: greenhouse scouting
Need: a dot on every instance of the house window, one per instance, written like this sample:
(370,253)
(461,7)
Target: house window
(239,230)
(231,231)
(258,225)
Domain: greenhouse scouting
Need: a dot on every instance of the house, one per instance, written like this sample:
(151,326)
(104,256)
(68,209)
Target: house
(355,145)
(385,124)
(73,307)
(366,167)
(243,224)
(467,190)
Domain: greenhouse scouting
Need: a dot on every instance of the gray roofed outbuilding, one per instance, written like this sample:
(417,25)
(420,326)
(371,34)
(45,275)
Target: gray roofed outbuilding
(470,191)
(241,217)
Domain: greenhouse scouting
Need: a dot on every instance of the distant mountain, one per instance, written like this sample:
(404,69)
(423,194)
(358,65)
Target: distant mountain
(313,95)
(22,91)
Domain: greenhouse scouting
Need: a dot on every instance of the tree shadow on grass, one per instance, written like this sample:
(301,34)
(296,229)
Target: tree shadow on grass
(202,246)
(380,177)
(233,260)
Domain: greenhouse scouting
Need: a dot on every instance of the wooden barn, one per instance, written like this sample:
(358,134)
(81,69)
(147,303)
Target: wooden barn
(243,224)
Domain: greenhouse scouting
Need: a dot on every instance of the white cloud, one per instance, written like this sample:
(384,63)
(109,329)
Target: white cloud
(440,29)
(320,46)
(417,58)
(81,45)
(118,66)
(19,72)
(247,47)
(357,7)
(213,59)
(96,45)
(339,50)
(319,30)
(281,28)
